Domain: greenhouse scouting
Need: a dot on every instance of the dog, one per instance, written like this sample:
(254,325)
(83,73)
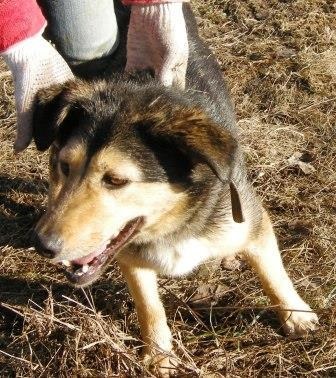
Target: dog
(154,178)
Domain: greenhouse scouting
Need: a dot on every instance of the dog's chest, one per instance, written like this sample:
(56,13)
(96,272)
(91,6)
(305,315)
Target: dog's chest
(183,257)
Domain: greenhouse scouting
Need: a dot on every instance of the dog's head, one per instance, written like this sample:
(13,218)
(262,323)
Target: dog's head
(127,163)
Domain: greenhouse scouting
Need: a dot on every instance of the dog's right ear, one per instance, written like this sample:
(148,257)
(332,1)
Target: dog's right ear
(53,106)
(49,111)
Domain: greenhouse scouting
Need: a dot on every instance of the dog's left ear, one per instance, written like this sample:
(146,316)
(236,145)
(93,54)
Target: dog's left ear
(193,132)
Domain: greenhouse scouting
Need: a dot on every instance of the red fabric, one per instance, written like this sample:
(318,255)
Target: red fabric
(148,2)
(19,19)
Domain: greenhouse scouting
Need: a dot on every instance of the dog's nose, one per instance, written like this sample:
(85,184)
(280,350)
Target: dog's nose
(48,246)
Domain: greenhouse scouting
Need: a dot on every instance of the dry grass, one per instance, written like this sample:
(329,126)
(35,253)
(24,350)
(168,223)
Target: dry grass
(280,61)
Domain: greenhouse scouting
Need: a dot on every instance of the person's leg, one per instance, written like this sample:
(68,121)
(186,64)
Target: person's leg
(82,31)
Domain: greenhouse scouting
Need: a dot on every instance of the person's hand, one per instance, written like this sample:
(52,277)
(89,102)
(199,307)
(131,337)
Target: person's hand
(34,64)
(157,39)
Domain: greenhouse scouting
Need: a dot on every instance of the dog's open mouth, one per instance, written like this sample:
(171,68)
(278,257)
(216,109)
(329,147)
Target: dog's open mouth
(86,269)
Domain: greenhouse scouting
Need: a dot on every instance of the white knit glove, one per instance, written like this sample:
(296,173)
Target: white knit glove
(157,39)
(34,64)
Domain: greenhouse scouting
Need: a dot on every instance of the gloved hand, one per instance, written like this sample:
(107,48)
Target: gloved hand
(157,39)
(34,64)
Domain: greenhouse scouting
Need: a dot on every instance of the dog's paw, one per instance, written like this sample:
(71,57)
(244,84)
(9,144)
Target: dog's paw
(162,365)
(299,322)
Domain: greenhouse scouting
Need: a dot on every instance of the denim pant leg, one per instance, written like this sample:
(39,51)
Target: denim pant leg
(82,30)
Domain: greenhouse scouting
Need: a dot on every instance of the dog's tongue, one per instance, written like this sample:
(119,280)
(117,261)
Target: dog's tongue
(87,259)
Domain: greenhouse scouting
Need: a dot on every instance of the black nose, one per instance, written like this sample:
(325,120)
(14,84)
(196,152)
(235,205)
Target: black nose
(48,246)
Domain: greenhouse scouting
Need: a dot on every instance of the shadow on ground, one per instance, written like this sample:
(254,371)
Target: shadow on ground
(20,208)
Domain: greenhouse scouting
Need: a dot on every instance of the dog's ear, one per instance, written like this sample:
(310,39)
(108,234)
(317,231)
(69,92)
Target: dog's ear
(48,113)
(202,139)
(52,107)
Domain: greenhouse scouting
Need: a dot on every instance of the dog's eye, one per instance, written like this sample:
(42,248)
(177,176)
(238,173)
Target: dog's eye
(111,182)
(65,168)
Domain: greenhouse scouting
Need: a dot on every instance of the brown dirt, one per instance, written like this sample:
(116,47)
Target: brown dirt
(279,58)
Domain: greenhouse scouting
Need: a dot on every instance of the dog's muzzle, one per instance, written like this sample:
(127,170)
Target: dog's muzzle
(47,246)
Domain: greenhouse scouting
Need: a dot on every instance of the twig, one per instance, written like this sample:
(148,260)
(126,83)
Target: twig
(34,366)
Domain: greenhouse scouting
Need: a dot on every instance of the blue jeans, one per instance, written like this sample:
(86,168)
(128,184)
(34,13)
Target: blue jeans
(82,30)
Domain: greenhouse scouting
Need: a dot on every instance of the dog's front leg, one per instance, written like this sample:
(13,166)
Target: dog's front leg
(142,283)
(264,256)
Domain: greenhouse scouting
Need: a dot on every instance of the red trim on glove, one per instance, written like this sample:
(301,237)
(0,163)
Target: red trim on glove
(150,2)
(19,20)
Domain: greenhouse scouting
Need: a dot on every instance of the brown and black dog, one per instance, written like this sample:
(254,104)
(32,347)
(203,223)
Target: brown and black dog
(154,178)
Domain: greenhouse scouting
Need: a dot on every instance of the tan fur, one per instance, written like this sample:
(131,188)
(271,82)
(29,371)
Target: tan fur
(155,332)
(263,255)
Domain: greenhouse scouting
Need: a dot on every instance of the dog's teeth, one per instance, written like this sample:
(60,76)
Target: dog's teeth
(66,262)
(85,268)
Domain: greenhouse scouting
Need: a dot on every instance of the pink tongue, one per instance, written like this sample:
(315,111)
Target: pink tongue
(87,259)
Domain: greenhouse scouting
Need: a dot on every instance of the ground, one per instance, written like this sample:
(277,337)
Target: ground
(279,59)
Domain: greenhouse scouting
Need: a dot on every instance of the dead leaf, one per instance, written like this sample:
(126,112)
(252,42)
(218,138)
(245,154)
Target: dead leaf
(208,294)
(296,160)
(233,263)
